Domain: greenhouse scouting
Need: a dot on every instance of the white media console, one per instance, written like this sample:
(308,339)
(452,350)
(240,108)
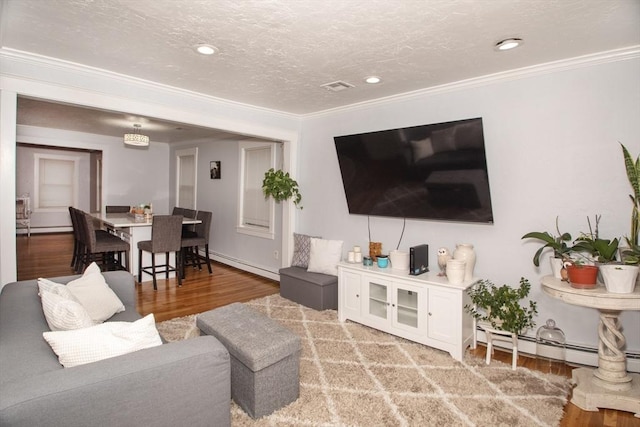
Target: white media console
(426,309)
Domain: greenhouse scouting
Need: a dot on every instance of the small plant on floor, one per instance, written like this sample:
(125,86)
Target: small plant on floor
(281,186)
(500,306)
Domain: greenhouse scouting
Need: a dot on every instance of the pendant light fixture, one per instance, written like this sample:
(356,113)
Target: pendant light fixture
(136,139)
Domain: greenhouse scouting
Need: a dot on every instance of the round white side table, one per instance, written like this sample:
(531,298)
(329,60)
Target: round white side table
(610,385)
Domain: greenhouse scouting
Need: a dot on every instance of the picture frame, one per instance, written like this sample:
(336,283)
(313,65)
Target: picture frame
(215,170)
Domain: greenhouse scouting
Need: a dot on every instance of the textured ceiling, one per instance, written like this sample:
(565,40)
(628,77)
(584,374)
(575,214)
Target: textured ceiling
(276,54)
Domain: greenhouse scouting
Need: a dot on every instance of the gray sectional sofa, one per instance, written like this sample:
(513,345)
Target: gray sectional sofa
(182,383)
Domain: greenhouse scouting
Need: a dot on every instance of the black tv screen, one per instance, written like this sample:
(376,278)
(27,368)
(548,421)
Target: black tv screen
(435,171)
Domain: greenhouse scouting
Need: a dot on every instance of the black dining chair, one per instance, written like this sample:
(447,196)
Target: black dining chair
(191,243)
(166,231)
(99,246)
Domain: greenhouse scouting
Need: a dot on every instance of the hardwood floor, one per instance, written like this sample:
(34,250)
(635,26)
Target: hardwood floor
(49,255)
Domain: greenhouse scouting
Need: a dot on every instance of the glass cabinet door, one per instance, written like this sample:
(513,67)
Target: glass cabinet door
(407,307)
(378,300)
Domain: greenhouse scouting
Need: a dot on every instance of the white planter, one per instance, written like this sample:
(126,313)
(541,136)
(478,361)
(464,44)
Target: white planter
(556,267)
(399,260)
(619,279)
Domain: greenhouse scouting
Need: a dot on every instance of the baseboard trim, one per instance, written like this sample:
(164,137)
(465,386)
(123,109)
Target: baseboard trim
(575,354)
(242,265)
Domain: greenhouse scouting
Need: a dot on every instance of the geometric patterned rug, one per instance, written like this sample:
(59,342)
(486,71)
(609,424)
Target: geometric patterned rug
(352,375)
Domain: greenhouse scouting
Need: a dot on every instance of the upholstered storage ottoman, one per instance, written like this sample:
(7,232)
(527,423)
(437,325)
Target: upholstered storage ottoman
(316,290)
(265,357)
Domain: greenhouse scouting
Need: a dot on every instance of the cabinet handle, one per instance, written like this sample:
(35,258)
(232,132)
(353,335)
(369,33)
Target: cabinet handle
(357,295)
(429,314)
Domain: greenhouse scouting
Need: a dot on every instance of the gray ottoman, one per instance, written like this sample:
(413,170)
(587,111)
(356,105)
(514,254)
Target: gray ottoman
(265,357)
(315,290)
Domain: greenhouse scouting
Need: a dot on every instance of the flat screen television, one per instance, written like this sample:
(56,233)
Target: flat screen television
(435,171)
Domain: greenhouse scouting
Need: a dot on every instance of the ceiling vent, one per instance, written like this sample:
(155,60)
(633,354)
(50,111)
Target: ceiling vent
(337,86)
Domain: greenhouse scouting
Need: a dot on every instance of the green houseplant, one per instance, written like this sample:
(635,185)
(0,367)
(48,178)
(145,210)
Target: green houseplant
(281,186)
(601,250)
(557,243)
(633,174)
(500,306)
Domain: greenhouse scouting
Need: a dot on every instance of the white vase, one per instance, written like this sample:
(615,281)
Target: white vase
(464,252)
(619,279)
(556,266)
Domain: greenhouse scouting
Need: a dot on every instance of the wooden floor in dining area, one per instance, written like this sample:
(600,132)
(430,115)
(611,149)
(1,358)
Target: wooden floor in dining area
(49,255)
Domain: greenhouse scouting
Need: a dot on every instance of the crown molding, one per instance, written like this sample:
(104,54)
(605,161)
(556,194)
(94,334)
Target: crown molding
(590,60)
(34,60)
(54,64)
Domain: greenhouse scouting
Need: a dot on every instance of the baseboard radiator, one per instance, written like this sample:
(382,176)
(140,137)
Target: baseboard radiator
(575,354)
(243,265)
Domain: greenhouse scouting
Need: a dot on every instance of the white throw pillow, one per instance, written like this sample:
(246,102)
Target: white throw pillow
(46,285)
(324,256)
(63,314)
(102,341)
(92,291)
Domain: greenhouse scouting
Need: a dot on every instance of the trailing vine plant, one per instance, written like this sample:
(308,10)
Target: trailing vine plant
(281,186)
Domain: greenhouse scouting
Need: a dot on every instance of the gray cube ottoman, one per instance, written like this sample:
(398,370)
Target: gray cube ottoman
(265,357)
(315,290)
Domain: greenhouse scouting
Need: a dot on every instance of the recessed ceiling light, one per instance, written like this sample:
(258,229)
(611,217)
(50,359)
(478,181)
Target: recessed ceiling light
(373,80)
(206,49)
(508,44)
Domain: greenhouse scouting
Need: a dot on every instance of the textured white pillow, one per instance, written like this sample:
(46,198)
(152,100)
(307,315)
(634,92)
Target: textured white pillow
(63,314)
(102,341)
(92,291)
(324,256)
(46,285)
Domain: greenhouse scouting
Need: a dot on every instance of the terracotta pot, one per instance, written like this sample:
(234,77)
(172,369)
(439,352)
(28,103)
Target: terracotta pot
(582,276)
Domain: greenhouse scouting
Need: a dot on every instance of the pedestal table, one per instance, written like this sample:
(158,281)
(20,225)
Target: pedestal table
(610,385)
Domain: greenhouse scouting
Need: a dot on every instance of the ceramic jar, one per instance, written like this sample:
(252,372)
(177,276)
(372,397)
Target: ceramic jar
(464,252)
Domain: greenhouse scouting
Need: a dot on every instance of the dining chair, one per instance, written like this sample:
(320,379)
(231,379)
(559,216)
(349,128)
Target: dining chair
(187,229)
(166,233)
(99,246)
(190,244)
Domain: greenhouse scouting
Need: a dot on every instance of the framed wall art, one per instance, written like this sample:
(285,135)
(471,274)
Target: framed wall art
(214,168)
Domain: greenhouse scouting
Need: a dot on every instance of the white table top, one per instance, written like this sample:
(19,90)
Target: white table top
(597,297)
(125,220)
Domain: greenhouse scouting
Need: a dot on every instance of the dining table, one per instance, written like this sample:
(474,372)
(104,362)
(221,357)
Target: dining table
(133,229)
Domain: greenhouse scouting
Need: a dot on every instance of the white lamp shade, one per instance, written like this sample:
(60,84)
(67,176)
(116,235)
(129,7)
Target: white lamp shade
(136,139)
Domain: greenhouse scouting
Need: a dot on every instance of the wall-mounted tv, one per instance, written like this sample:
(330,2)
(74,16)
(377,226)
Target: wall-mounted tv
(435,171)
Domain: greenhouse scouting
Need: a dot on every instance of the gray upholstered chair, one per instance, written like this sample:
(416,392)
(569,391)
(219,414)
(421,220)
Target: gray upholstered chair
(191,243)
(187,229)
(166,231)
(99,246)
(117,209)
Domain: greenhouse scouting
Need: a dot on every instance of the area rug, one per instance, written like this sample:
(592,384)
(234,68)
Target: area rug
(352,375)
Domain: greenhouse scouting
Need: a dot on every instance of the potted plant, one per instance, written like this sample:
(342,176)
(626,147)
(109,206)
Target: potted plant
(588,253)
(281,186)
(621,278)
(500,306)
(558,243)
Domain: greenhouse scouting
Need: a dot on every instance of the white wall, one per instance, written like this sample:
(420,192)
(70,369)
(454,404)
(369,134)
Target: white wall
(130,176)
(25,175)
(552,150)
(220,196)
(49,79)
